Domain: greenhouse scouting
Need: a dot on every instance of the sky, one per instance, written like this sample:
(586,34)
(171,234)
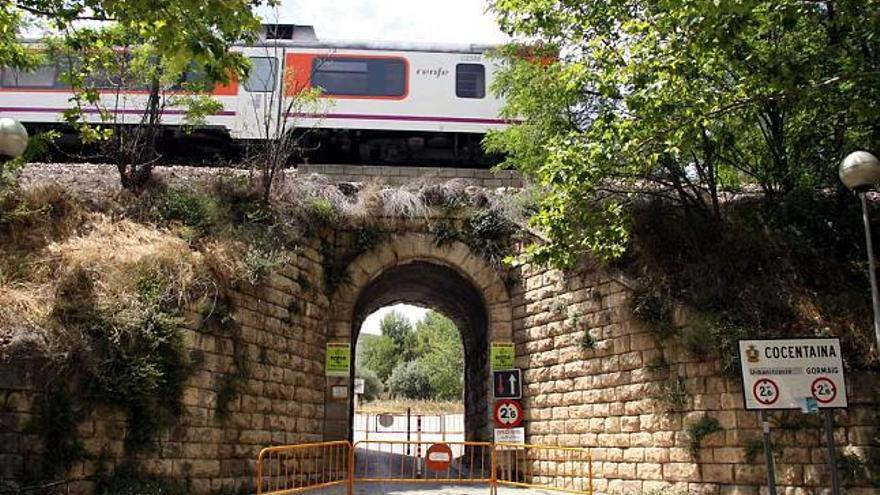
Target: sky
(412,313)
(445,21)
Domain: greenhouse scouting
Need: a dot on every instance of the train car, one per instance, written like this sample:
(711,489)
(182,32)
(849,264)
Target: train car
(379,102)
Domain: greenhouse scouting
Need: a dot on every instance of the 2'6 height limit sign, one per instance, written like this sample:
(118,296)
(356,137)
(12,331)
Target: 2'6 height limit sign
(792,373)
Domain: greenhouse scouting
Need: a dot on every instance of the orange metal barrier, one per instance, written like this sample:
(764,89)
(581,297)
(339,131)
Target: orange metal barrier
(542,467)
(406,462)
(298,468)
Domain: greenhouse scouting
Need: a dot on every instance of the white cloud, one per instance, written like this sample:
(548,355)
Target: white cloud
(448,21)
(411,313)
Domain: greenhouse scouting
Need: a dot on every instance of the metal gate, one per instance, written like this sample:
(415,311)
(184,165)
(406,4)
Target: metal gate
(301,468)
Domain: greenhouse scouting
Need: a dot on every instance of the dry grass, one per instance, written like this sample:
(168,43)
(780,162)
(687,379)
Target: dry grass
(64,240)
(398,406)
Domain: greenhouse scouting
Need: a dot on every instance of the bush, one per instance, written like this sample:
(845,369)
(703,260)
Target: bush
(411,380)
(194,209)
(373,386)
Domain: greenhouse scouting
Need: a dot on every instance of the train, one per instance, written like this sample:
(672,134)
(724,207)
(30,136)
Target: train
(379,103)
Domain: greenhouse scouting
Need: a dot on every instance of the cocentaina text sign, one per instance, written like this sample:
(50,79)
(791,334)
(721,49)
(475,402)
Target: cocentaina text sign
(789,373)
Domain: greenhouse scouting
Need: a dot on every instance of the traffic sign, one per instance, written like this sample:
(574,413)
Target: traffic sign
(765,391)
(784,373)
(501,356)
(824,390)
(510,435)
(438,457)
(508,413)
(337,359)
(507,384)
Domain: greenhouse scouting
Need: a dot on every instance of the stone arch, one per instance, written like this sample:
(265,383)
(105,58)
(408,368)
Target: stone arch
(452,279)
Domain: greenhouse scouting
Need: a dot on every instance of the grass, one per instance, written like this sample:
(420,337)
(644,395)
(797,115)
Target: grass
(398,406)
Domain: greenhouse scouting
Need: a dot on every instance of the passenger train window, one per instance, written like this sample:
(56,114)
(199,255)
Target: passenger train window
(41,77)
(354,76)
(263,75)
(470,81)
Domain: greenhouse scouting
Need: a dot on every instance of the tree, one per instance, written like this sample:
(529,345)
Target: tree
(378,354)
(411,380)
(176,38)
(441,352)
(681,102)
(398,328)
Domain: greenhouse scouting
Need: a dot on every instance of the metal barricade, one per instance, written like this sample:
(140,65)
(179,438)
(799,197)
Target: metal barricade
(294,469)
(298,468)
(405,462)
(543,467)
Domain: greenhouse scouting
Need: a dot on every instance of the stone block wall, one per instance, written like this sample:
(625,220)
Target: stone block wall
(279,337)
(615,399)
(401,175)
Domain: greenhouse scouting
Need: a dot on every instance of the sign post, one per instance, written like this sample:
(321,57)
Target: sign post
(802,374)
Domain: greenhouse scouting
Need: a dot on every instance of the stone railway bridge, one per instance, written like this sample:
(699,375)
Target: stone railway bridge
(609,397)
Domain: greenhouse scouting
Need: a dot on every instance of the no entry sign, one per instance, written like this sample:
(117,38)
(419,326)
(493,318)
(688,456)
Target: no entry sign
(787,373)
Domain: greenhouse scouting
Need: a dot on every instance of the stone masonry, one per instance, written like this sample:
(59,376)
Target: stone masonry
(614,399)
(610,395)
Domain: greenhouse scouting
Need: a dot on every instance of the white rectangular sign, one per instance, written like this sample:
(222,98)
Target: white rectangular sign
(510,435)
(790,373)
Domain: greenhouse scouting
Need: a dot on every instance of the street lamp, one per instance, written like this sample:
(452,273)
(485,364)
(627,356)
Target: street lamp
(859,172)
(13,138)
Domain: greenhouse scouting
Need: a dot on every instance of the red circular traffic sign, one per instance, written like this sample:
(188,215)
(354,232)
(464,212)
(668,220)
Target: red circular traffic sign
(765,391)
(824,390)
(438,458)
(508,413)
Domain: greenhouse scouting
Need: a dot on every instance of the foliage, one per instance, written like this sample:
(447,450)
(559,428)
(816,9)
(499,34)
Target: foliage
(856,469)
(439,349)
(373,386)
(680,101)
(136,45)
(55,421)
(700,429)
(785,272)
(128,479)
(379,354)
(755,450)
(656,310)
(588,342)
(136,359)
(675,394)
(192,208)
(396,327)
(434,344)
(489,234)
(412,380)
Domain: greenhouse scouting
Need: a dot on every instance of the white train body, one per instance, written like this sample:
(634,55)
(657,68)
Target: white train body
(416,88)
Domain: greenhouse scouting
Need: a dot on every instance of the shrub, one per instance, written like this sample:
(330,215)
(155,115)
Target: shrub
(194,209)
(373,386)
(410,380)
(700,429)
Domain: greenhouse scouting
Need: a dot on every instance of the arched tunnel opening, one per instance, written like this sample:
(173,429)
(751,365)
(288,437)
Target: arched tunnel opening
(448,292)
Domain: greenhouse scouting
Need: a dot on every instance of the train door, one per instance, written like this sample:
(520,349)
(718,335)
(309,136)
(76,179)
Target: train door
(260,98)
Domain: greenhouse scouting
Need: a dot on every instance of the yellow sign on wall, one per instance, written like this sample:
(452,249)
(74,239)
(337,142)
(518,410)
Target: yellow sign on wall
(338,360)
(502,356)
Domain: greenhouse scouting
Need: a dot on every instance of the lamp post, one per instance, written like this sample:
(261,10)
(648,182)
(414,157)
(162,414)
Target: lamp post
(860,171)
(13,138)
